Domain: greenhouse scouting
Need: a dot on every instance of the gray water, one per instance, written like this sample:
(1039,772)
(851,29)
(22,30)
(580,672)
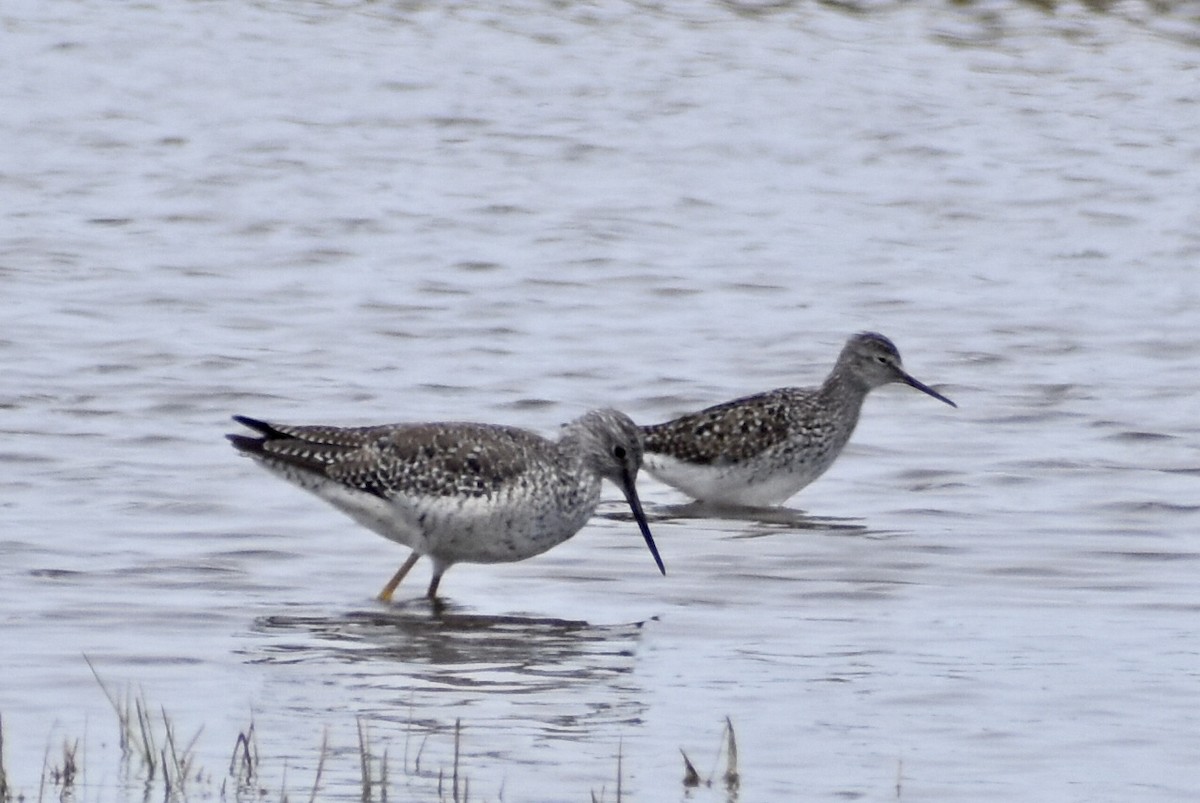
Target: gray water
(370,212)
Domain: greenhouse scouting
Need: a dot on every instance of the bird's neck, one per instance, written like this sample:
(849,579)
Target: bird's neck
(573,444)
(842,390)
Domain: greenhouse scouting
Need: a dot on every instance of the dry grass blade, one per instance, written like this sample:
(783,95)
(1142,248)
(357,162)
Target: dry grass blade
(147,745)
(620,769)
(732,778)
(45,771)
(63,775)
(243,763)
(383,776)
(177,765)
(364,755)
(457,746)
(120,707)
(420,752)
(691,778)
(320,765)
(5,792)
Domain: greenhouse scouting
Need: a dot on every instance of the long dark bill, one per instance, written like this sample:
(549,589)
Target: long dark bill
(921,386)
(631,496)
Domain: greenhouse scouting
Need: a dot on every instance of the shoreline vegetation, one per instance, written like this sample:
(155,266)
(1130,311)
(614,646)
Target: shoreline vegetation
(157,764)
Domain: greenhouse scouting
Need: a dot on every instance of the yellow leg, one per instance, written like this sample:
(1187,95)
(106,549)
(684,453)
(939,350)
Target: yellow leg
(386,594)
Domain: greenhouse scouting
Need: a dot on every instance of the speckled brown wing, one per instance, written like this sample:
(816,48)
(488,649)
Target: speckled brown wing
(403,459)
(727,433)
(468,460)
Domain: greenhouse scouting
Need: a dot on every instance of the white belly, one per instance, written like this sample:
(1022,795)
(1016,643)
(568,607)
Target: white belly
(472,529)
(728,485)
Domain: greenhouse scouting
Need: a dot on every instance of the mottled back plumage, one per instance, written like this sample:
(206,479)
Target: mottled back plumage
(731,432)
(444,459)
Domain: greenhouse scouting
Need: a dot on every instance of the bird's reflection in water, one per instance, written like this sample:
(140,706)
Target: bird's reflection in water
(777,519)
(441,647)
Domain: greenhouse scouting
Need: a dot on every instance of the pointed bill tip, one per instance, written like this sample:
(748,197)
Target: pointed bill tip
(921,386)
(630,488)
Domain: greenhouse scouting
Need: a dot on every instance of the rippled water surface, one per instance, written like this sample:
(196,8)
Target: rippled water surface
(368,212)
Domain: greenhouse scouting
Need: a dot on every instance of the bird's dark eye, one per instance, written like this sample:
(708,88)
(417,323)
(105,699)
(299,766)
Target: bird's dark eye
(881,358)
(619,452)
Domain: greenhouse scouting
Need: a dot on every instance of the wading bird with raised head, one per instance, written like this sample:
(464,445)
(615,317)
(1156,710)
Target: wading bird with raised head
(760,450)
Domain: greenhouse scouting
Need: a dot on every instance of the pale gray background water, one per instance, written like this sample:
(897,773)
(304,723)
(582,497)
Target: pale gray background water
(366,212)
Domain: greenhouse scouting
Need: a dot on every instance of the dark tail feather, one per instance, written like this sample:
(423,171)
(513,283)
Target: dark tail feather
(245,444)
(249,445)
(261,427)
